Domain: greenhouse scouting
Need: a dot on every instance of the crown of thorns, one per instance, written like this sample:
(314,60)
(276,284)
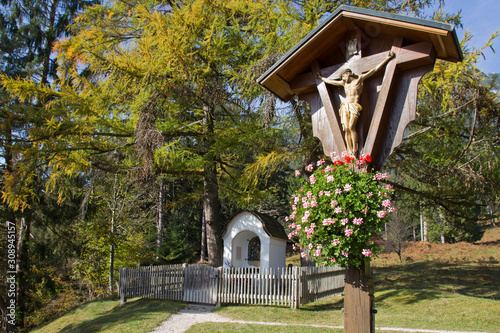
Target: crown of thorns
(347,70)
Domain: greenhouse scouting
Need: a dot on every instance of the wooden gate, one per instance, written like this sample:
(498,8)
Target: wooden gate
(200,284)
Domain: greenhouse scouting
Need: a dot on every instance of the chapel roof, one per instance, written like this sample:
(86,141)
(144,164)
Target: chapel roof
(270,225)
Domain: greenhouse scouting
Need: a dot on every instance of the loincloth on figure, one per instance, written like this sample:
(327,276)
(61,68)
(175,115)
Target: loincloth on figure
(348,110)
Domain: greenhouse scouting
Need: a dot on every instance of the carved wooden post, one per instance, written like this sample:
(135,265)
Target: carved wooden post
(358,300)
(360,39)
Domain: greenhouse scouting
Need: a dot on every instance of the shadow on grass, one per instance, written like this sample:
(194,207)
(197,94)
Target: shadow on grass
(130,312)
(325,305)
(429,279)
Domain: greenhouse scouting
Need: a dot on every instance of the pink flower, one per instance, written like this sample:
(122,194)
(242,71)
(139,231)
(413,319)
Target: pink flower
(380,176)
(348,232)
(298,227)
(345,221)
(296,199)
(294,247)
(369,194)
(386,203)
(332,155)
(357,221)
(319,246)
(321,193)
(320,162)
(305,205)
(332,259)
(345,253)
(389,187)
(297,173)
(309,194)
(338,210)
(314,204)
(367,252)
(347,187)
(338,191)
(327,193)
(312,180)
(391,210)
(344,154)
(303,254)
(310,167)
(333,203)
(310,246)
(329,179)
(328,221)
(304,199)
(328,168)
(317,253)
(381,214)
(335,242)
(294,207)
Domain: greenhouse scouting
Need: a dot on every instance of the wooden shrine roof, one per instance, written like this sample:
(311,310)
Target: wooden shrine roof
(328,37)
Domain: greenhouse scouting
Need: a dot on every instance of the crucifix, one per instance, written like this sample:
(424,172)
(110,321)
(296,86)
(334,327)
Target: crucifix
(350,109)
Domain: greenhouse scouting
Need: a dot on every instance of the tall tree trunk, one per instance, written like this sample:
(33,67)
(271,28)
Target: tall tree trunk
(22,268)
(112,254)
(160,217)
(423,226)
(203,252)
(211,192)
(51,38)
(491,205)
(211,215)
(441,221)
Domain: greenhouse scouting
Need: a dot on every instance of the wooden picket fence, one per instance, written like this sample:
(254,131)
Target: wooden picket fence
(286,286)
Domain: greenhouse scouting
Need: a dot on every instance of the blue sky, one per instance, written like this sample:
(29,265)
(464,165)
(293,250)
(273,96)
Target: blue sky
(482,18)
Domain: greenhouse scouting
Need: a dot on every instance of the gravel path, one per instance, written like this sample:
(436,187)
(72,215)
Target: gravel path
(189,316)
(196,314)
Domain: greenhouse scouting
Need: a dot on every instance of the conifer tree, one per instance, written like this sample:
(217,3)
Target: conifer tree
(27,32)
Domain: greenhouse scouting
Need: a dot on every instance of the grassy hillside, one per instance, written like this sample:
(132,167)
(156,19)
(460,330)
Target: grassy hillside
(137,315)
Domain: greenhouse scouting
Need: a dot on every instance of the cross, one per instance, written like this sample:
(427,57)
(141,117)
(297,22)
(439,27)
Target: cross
(406,58)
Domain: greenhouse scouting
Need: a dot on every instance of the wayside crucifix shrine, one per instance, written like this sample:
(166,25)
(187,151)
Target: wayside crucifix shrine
(359,40)
(359,71)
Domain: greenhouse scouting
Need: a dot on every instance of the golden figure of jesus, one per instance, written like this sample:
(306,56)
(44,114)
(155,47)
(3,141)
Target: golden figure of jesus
(350,109)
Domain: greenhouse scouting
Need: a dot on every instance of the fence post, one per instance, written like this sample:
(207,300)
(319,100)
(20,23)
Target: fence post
(218,290)
(122,289)
(297,272)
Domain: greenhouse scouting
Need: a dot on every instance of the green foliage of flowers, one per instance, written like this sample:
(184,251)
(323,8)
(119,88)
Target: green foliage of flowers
(339,210)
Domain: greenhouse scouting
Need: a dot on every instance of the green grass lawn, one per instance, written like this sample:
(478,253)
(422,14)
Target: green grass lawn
(137,315)
(424,309)
(252,328)
(440,287)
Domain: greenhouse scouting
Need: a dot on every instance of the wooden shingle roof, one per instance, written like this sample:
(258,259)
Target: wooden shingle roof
(323,41)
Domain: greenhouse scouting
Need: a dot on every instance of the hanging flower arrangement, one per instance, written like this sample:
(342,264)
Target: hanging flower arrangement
(339,210)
